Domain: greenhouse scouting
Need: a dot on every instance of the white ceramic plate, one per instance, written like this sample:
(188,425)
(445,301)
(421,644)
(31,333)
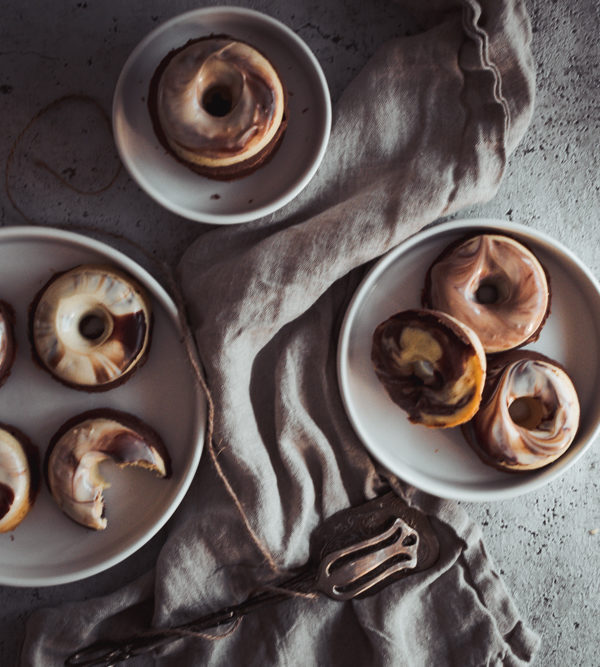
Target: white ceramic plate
(47,547)
(192,196)
(440,461)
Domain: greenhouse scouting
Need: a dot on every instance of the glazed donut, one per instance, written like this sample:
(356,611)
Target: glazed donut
(493,284)
(8,345)
(19,477)
(219,106)
(78,447)
(90,327)
(431,365)
(529,413)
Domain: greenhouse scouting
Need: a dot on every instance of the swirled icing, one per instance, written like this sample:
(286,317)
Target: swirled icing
(82,444)
(257,102)
(15,481)
(549,415)
(103,293)
(517,277)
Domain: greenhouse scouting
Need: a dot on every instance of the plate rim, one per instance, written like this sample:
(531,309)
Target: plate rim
(416,479)
(227,218)
(21,232)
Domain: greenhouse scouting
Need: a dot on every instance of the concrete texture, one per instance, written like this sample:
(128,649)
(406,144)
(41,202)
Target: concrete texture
(544,543)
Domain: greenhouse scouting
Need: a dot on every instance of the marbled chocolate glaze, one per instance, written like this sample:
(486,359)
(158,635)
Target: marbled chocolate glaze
(523,294)
(431,365)
(506,444)
(257,102)
(61,306)
(80,445)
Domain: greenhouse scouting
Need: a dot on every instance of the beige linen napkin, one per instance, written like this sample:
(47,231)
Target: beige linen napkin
(423,131)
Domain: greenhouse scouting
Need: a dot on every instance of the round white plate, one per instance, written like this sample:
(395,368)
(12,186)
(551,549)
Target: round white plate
(440,461)
(274,184)
(47,547)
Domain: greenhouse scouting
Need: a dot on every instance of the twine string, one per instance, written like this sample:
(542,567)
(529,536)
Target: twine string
(54,104)
(163,269)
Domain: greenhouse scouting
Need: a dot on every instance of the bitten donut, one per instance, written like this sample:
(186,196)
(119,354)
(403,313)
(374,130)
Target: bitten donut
(8,344)
(493,284)
(90,327)
(219,106)
(431,365)
(529,413)
(82,443)
(19,477)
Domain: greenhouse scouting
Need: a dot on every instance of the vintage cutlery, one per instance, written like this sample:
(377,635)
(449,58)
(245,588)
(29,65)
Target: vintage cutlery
(357,552)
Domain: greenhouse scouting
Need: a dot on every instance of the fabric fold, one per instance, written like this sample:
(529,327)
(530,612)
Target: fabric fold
(423,131)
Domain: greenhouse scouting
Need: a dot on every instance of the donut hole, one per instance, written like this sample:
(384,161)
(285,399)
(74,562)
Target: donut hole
(487,293)
(527,412)
(94,326)
(218,101)
(220,87)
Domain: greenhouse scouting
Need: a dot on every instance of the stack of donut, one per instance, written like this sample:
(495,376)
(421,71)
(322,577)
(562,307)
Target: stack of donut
(90,328)
(218,106)
(459,360)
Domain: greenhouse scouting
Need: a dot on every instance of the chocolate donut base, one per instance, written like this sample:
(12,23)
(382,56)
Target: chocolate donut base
(92,389)
(128,420)
(32,454)
(225,173)
(448,250)
(8,314)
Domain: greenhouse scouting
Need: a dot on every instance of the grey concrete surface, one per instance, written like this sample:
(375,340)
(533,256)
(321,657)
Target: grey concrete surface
(543,543)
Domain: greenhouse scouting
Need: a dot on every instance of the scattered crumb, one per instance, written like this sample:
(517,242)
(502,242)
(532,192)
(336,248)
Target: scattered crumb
(436,451)
(594,531)
(250,201)
(12,538)
(305,110)
(215,196)
(290,93)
